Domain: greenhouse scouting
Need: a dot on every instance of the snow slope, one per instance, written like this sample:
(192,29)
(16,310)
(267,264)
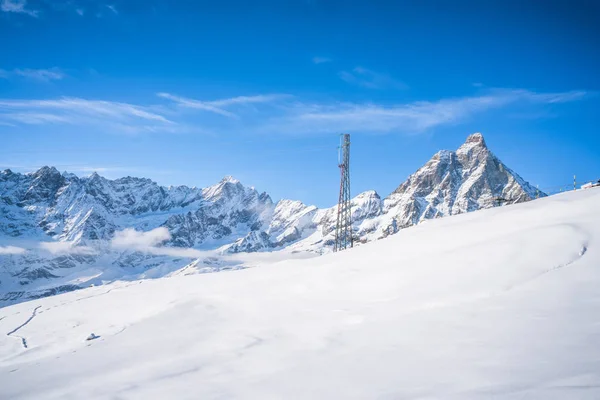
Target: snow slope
(495,304)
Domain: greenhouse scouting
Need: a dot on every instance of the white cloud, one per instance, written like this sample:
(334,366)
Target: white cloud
(58,248)
(108,115)
(370,79)
(150,241)
(17,6)
(218,106)
(200,105)
(6,250)
(550,98)
(274,113)
(80,11)
(321,60)
(263,98)
(36,118)
(410,118)
(42,75)
(45,75)
(132,239)
(112,8)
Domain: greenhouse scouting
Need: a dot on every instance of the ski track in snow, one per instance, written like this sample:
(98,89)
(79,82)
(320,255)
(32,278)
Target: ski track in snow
(23,339)
(466,300)
(93,295)
(552,269)
(583,249)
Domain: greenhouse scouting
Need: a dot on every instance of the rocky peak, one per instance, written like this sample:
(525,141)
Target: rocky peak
(265,198)
(474,150)
(8,175)
(46,182)
(227,186)
(476,139)
(70,176)
(230,179)
(453,182)
(369,194)
(230,192)
(45,172)
(96,179)
(366,204)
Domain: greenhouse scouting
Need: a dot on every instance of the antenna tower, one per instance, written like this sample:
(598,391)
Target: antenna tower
(343,228)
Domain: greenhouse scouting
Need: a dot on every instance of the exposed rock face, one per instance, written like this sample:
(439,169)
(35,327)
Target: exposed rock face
(451,183)
(69,208)
(49,206)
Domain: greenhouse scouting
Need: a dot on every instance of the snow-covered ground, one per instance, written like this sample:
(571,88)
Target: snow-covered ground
(495,304)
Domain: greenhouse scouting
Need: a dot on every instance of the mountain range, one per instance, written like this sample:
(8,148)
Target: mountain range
(64,226)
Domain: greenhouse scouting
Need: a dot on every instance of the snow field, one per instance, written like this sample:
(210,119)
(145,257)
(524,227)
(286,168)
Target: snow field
(501,303)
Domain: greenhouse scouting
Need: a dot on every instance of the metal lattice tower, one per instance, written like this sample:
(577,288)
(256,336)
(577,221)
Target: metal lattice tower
(343,228)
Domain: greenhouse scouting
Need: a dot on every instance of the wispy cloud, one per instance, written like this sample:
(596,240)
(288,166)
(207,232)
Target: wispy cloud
(550,98)
(263,98)
(58,248)
(17,6)
(9,250)
(200,105)
(122,117)
(150,242)
(42,75)
(33,118)
(321,60)
(80,11)
(276,113)
(370,79)
(112,8)
(408,118)
(218,106)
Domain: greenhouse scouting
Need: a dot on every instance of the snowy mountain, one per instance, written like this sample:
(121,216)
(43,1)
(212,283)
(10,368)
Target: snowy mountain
(74,219)
(498,304)
(452,182)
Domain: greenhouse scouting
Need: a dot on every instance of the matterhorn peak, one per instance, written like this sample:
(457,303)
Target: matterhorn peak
(476,139)
(475,144)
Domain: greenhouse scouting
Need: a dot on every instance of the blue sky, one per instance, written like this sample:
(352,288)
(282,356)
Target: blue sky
(187,92)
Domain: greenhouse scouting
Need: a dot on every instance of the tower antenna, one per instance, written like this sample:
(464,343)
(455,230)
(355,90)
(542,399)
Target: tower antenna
(343,228)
